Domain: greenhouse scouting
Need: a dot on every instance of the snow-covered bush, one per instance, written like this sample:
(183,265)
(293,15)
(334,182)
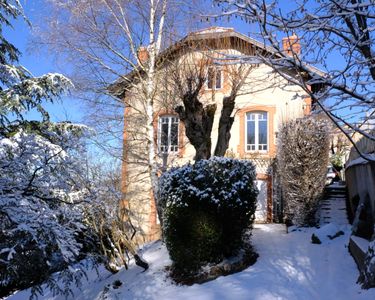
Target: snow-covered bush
(367,277)
(208,207)
(303,148)
(41,218)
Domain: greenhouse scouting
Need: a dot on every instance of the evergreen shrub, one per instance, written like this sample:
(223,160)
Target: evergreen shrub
(207,209)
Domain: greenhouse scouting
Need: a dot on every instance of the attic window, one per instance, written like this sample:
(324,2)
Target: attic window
(214,78)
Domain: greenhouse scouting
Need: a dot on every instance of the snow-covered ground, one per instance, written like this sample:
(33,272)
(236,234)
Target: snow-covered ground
(289,267)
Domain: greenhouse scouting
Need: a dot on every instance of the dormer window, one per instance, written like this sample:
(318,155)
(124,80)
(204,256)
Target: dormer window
(214,78)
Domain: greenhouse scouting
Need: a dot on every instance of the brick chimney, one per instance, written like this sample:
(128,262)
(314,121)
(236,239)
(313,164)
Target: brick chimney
(143,54)
(292,45)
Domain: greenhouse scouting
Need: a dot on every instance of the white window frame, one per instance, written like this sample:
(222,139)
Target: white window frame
(256,132)
(216,68)
(169,148)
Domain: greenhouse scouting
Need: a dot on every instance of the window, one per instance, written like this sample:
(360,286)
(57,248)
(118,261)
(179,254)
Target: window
(256,131)
(214,78)
(168,134)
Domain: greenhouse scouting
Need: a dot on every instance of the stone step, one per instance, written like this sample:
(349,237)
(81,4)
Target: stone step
(333,206)
(335,187)
(335,192)
(338,192)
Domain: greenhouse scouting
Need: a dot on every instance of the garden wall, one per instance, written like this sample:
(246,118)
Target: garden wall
(360,178)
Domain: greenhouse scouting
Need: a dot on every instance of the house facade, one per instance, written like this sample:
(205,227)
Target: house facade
(265,101)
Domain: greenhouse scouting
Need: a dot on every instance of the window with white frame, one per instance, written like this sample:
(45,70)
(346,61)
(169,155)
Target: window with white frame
(214,78)
(168,134)
(256,131)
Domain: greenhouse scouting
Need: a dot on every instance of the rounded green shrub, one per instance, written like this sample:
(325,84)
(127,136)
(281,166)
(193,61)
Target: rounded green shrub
(207,209)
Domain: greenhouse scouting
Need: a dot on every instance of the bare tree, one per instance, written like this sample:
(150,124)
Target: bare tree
(189,79)
(104,218)
(237,76)
(114,46)
(335,36)
(197,117)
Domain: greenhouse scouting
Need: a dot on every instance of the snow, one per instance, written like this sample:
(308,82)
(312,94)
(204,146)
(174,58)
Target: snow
(328,232)
(289,267)
(214,29)
(361,160)
(363,244)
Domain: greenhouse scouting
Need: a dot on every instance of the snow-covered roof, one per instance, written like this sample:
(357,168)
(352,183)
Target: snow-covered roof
(214,29)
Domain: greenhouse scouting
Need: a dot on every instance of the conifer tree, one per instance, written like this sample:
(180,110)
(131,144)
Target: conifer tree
(41,178)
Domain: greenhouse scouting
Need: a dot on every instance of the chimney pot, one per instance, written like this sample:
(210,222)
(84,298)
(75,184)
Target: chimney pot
(143,54)
(292,45)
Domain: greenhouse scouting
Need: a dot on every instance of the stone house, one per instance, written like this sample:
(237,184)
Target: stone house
(265,101)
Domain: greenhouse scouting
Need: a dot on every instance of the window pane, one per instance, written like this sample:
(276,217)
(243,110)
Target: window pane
(262,116)
(250,132)
(168,134)
(210,77)
(250,116)
(262,132)
(164,134)
(174,134)
(257,131)
(218,79)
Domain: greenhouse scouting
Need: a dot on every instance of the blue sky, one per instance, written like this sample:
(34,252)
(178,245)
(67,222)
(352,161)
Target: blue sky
(38,62)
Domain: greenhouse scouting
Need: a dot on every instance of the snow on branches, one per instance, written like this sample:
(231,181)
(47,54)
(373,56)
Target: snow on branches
(19,90)
(335,57)
(29,92)
(42,182)
(40,185)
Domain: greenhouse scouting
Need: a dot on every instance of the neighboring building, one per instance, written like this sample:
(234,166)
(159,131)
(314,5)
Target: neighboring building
(265,102)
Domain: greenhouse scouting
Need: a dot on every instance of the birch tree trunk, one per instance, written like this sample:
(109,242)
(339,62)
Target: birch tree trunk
(101,39)
(154,50)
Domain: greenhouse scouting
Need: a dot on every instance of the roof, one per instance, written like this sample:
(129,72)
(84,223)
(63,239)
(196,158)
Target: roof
(209,38)
(220,32)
